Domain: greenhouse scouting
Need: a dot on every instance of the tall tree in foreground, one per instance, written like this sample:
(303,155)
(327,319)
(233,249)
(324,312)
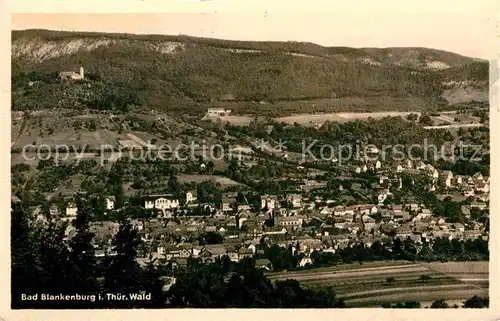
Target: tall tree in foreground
(24,265)
(477,302)
(83,274)
(53,255)
(153,285)
(123,273)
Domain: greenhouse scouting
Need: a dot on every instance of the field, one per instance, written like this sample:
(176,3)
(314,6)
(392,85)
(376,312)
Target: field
(224,181)
(310,119)
(305,119)
(368,285)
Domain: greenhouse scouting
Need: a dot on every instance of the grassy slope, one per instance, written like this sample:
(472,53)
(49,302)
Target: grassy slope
(136,69)
(365,285)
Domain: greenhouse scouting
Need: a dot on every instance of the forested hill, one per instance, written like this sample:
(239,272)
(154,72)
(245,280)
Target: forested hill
(186,73)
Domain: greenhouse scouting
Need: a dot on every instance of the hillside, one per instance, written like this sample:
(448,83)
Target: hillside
(186,74)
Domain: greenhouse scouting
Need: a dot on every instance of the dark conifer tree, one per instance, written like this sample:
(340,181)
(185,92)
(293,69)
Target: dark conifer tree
(153,285)
(24,263)
(123,273)
(53,255)
(82,277)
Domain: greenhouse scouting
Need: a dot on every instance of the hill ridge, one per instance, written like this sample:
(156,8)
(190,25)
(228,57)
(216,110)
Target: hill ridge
(183,73)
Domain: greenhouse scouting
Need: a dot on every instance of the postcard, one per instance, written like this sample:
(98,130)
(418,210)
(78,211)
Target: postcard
(334,159)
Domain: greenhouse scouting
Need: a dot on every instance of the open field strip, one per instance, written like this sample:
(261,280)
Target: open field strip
(307,118)
(477,269)
(349,290)
(344,267)
(352,274)
(354,116)
(355,276)
(459,267)
(369,279)
(424,294)
(225,181)
(475,273)
(454,126)
(470,277)
(393,290)
(339,117)
(447,119)
(237,120)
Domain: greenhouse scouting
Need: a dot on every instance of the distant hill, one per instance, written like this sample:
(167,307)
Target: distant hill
(187,74)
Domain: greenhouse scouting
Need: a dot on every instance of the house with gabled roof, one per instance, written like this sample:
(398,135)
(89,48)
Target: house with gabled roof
(445,178)
(325,211)
(244,252)
(467,190)
(263,264)
(476,178)
(482,187)
(226,204)
(367,209)
(191,196)
(295,200)
(71,210)
(339,210)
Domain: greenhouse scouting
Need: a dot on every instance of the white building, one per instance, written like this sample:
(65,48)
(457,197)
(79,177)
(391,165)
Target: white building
(305,261)
(71,210)
(161,202)
(381,198)
(295,200)
(482,188)
(190,196)
(269,202)
(110,203)
(66,75)
(218,111)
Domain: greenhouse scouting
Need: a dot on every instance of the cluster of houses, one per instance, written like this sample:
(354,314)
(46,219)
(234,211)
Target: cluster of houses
(306,222)
(303,225)
(464,185)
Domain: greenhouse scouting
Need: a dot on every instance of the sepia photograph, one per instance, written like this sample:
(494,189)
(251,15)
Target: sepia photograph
(328,159)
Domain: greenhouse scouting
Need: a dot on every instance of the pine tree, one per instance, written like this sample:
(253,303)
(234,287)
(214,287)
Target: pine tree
(83,274)
(123,273)
(153,285)
(24,263)
(53,256)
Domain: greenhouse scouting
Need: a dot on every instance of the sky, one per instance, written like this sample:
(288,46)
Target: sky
(465,27)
